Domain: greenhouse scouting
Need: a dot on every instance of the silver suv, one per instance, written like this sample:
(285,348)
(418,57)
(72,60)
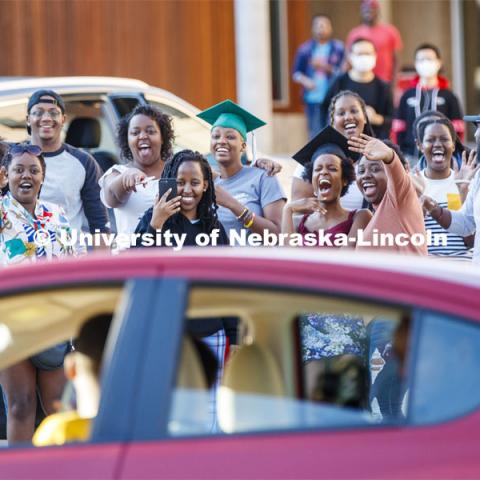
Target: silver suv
(93,107)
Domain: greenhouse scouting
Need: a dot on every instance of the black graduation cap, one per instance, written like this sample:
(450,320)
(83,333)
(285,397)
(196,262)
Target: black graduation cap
(328,140)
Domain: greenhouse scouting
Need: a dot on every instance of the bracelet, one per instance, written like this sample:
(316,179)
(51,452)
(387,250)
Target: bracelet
(441,214)
(393,155)
(250,222)
(243,214)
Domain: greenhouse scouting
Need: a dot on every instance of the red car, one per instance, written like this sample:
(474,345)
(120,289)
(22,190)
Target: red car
(344,366)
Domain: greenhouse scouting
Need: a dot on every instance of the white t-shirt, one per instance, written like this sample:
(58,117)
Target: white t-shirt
(445,192)
(128,215)
(352,200)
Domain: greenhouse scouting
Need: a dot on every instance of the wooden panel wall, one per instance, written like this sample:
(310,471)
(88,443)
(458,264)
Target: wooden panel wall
(185,46)
(299,20)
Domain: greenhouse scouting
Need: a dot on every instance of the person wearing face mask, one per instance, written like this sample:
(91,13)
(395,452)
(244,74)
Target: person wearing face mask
(361,79)
(429,91)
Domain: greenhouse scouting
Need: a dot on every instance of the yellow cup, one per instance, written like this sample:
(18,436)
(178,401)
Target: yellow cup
(453,201)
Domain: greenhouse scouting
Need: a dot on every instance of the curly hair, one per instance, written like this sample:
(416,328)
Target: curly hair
(7,158)
(348,172)
(164,123)
(348,93)
(207,207)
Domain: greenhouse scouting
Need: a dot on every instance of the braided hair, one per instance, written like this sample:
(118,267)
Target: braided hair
(207,207)
(367,129)
(424,117)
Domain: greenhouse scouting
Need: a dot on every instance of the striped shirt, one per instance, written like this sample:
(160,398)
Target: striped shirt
(445,193)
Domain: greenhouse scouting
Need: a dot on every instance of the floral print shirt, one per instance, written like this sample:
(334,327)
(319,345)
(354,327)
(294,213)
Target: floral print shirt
(327,335)
(25,238)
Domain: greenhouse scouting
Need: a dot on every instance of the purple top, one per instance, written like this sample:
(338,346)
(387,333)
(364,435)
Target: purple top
(340,228)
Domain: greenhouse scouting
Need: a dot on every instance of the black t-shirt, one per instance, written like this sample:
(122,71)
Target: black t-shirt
(376,94)
(178,224)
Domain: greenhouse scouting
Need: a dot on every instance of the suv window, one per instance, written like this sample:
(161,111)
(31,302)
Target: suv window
(87,108)
(189,131)
(124,105)
(13,124)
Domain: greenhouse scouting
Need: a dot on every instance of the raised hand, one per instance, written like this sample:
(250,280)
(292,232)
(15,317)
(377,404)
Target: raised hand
(468,168)
(371,148)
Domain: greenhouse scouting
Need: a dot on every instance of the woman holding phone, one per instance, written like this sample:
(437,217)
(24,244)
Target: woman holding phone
(192,209)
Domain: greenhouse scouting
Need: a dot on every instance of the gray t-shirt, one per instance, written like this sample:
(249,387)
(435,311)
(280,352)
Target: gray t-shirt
(253,188)
(71,181)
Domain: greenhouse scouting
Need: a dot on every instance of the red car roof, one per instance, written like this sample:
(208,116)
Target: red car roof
(445,286)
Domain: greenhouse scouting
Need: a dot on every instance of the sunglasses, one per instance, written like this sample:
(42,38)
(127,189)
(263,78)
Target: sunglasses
(22,148)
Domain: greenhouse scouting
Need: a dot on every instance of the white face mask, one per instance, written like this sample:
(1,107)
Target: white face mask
(363,63)
(427,68)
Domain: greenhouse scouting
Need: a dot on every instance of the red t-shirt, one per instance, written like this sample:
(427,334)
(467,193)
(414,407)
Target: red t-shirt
(386,39)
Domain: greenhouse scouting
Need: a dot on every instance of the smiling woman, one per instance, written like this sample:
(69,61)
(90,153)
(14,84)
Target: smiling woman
(30,231)
(330,171)
(193,211)
(445,186)
(145,137)
(249,199)
(23,216)
(347,114)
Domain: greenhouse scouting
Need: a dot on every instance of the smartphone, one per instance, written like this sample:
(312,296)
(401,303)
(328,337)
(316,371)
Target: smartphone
(164,184)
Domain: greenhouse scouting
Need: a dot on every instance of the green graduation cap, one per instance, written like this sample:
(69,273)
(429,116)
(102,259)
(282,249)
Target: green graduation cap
(228,114)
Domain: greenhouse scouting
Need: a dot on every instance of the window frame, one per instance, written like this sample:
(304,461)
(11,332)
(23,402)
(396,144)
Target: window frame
(161,401)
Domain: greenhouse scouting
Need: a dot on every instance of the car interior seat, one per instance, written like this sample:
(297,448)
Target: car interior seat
(86,133)
(250,397)
(191,389)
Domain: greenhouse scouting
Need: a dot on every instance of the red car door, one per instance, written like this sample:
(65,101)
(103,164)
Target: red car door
(52,463)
